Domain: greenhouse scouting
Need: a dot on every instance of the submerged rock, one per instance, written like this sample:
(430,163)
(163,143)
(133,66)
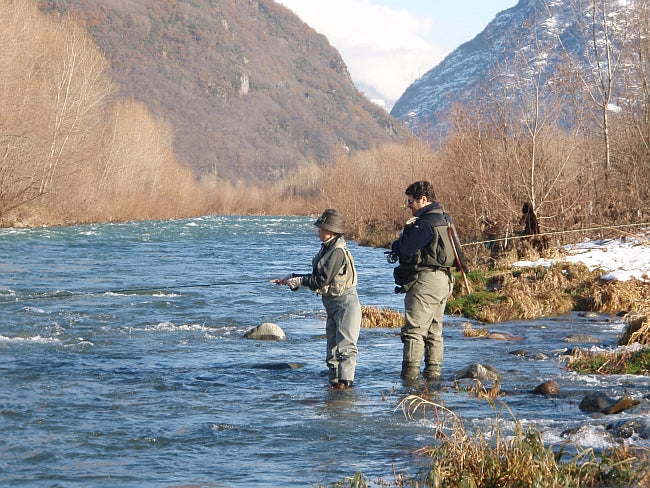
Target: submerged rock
(549,387)
(627,428)
(478,372)
(278,366)
(265,332)
(582,338)
(620,405)
(520,352)
(589,315)
(503,336)
(595,401)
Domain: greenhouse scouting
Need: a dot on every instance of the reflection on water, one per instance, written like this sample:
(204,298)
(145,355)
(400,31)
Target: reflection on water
(124,363)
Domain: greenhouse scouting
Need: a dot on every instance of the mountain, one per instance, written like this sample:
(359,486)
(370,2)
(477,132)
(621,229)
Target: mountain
(249,90)
(533,38)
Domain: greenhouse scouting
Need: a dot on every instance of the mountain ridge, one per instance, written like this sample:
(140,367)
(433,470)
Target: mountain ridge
(249,90)
(548,33)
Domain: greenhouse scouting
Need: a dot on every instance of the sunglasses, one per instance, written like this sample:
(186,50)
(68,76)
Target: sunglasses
(409,201)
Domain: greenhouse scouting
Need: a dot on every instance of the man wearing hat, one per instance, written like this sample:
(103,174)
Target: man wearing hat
(334,277)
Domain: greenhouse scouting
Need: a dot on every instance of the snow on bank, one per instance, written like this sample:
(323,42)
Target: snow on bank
(620,259)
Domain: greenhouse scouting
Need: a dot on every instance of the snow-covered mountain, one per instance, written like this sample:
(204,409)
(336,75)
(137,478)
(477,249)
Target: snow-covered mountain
(533,38)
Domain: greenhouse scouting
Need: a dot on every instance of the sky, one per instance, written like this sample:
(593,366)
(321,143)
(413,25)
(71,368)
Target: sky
(388,44)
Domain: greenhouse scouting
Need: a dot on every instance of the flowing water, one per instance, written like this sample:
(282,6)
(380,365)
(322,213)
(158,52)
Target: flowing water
(123,363)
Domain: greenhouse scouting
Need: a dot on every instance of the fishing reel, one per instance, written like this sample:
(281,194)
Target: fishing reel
(391,257)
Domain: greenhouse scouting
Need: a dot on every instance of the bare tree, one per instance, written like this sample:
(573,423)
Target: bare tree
(604,37)
(79,92)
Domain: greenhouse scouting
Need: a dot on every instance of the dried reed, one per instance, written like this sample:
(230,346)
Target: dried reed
(637,330)
(373,317)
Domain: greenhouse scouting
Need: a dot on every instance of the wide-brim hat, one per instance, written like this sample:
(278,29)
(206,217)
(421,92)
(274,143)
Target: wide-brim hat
(331,220)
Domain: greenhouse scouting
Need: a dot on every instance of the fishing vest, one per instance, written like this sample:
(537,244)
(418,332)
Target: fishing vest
(439,253)
(346,278)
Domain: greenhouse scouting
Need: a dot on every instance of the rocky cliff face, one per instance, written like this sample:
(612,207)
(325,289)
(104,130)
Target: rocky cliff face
(535,37)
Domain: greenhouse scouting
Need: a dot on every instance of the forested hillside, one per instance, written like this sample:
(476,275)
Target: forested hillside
(249,90)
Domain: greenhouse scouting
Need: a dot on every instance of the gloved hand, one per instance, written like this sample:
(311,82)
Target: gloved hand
(292,281)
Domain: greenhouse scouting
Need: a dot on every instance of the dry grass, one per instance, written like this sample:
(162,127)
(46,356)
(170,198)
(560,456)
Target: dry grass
(373,317)
(619,296)
(637,330)
(520,459)
(469,331)
(610,362)
(535,292)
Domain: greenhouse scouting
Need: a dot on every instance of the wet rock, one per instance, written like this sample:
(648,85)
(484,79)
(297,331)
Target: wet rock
(519,352)
(480,372)
(278,366)
(620,405)
(568,433)
(265,332)
(627,428)
(540,356)
(582,338)
(502,336)
(589,315)
(595,401)
(549,387)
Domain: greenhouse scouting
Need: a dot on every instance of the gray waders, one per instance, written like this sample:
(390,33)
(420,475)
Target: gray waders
(342,329)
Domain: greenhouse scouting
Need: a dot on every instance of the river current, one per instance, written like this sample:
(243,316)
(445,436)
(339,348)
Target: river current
(123,363)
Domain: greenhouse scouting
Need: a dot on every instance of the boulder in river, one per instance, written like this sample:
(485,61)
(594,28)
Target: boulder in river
(478,371)
(549,387)
(620,405)
(595,401)
(265,332)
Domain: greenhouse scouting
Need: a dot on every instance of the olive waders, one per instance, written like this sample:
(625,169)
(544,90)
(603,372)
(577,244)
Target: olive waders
(422,332)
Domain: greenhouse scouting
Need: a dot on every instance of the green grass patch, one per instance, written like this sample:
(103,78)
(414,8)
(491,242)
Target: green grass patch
(626,362)
(472,306)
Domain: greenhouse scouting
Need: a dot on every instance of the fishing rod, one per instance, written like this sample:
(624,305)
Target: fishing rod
(124,291)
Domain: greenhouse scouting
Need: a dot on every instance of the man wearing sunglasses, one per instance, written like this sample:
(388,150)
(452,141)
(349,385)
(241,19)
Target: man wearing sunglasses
(424,274)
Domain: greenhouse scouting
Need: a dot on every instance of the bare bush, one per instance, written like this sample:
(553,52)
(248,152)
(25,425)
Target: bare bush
(68,153)
(368,187)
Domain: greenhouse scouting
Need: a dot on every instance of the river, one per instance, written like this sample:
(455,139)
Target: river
(123,363)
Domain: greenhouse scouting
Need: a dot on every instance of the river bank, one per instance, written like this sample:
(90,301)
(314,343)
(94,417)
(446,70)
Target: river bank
(606,276)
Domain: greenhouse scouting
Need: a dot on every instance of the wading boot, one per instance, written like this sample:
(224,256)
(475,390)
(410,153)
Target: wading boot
(431,374)
(410,371)
(342,385)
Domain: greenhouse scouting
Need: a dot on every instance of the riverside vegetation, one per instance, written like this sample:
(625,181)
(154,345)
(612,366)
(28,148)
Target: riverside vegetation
(72,152)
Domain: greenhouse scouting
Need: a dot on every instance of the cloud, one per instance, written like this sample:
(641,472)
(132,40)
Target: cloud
(385,49)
